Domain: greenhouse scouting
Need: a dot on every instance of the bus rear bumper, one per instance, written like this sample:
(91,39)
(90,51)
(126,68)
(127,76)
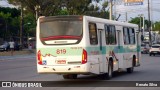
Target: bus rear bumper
(64,69)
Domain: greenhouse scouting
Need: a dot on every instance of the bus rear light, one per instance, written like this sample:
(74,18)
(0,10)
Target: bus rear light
(137,60)
(39,57)
(115,62)
(84,57)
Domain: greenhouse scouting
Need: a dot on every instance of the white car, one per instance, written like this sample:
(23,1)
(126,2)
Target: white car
(154,50)
(4,46)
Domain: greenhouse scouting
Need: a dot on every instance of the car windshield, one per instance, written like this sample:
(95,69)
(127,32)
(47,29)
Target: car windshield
(155,46)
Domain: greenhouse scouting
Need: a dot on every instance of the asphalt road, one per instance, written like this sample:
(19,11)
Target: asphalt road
(23,68)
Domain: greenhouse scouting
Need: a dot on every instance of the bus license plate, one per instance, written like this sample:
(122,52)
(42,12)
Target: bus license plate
(61,61)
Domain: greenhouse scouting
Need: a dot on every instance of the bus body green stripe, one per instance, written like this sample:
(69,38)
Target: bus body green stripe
(58,51)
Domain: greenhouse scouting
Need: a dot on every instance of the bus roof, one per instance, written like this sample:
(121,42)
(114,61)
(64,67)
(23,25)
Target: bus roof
(102,20)
(91,18)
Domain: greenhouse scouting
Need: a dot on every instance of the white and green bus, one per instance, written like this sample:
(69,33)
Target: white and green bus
(75,45)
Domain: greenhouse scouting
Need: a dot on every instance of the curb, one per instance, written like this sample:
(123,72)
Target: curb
(15,53)
(2,58)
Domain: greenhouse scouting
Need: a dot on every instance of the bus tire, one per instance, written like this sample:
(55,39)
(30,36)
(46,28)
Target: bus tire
(66,76)
(73,76)
(131,69)
(150,54)
(110,70)
(134,61)
(108,76)
(70,76)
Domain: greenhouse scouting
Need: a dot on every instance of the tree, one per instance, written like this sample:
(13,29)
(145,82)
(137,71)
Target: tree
(55,7)
(96,11)
(156,26)
(59,7)
(2,27)
(9,18)
(75,7)
(6,18)
(14,12)
(137,21)
(29,25)
(14,26)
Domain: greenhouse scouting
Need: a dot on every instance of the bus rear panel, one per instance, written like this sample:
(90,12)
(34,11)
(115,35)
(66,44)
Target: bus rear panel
(59,46)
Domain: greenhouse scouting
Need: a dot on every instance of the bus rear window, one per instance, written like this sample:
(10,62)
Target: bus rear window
(64,31)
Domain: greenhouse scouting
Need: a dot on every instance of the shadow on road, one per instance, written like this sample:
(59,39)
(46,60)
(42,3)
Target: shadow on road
(93,81)
(99,77)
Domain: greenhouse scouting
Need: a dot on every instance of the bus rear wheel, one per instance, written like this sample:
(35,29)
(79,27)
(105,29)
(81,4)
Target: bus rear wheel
(66,76)
(108,76)
(70,76)
(131,69)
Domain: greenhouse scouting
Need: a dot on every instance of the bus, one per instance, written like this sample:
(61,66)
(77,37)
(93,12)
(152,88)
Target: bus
(85,45)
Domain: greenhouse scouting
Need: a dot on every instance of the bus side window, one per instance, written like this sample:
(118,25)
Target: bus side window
(128,35)
(132,35)
(93,34)
(125,35)
(106,34)
(110,34)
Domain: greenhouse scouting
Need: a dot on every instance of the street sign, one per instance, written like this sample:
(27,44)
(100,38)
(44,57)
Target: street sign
(133,2)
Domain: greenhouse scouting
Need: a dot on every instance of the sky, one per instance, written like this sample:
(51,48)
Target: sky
(135,10)
(132,11)
(4,3)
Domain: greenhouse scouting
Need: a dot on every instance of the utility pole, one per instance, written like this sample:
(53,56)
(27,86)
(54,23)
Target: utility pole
(126,17)
(37,9)
(149,24)
(143,26)
(141,16)
(110,14)
(115,13)
(21,27)
(140,25)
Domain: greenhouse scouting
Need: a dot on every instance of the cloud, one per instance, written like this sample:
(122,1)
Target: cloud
(4,3)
